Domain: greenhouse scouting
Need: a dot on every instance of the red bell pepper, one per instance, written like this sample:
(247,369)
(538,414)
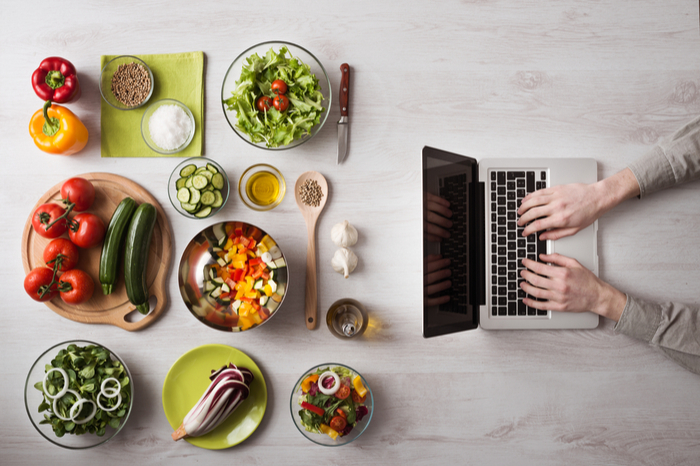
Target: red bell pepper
(56,80)
(255,261)
(312,408)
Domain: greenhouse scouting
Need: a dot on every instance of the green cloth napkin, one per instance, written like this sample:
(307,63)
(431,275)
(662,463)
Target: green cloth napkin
(178,76)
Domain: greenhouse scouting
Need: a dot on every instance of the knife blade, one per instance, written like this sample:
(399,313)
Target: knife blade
(343,123)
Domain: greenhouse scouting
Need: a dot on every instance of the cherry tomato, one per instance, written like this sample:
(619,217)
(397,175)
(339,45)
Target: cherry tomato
(44,216)
(343,392)
(357,398)
(338,424)
(279,87)
(76,286)
(80,192)
(68,251)
(88,230)
(40,276)
(264,103)
(341,413)
(281,102)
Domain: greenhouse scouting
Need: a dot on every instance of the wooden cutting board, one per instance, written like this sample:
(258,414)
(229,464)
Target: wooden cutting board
(111,309)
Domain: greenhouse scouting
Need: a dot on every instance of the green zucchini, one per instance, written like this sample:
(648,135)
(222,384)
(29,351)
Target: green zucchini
(138,243)
(109,259)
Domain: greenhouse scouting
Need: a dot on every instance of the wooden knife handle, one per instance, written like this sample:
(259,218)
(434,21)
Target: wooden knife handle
(344,89)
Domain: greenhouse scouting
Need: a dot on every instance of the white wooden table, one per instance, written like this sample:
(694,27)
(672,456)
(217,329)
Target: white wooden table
(566,78)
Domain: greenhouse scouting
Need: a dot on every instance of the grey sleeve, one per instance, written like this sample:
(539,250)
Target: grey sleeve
(672,327)
(673,161)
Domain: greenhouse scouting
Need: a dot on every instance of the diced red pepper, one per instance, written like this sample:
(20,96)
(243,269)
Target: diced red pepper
(255,261)
(238,232)
(238,275)
(312,408)
(252,243)
(265,275)
(258,273)
(244,241)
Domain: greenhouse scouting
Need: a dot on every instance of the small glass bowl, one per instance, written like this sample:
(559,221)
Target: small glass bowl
(246,177)
(33,398)
(321,438)
(146,133)
(175,175)
(234,74)
(106,81)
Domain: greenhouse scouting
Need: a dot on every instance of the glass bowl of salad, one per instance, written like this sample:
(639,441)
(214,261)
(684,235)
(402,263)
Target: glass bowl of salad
(95,405)
(331,404)
(233,276)
(276,95)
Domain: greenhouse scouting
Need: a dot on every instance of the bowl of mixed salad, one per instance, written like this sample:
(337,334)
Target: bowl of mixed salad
(276,95)
(233,276)
(78,394)
(331,404)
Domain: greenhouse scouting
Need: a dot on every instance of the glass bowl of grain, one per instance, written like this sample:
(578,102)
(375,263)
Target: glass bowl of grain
(167,126)
(262,187)
(126,83)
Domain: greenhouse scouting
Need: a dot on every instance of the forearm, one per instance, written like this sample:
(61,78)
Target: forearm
(615,189)
(610,303)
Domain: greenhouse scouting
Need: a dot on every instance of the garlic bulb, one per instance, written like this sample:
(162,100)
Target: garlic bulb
(344,234)
(344,261)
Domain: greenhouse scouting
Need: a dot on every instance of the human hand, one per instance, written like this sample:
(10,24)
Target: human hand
(562,210)
(568,286)
(437,219)
(436,273)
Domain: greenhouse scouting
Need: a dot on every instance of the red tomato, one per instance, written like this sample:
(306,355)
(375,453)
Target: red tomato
(281,103)
(338,424)
(88,230)
(264,103)
(38,278)
(46,214)
(80,192)
(279,87)
(68,251)
(343,392)
(76,286)
(357,398)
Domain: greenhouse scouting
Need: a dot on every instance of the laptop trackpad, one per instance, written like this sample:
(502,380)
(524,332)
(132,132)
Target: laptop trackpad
(581,246)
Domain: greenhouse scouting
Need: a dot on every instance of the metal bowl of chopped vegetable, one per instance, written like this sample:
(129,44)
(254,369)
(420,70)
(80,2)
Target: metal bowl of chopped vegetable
(276,95)
(233,276)
(331,404)
(126,82)
(167,126)
(198,187)
(95,405)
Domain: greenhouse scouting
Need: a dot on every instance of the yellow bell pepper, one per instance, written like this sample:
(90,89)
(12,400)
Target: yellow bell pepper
(306,384)
(359,386)
(328,431)
(57,130)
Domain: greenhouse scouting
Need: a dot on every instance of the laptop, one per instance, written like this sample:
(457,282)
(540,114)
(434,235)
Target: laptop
(485,244)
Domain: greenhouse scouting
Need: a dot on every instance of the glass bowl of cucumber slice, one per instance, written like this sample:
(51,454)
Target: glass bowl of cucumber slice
(198,188)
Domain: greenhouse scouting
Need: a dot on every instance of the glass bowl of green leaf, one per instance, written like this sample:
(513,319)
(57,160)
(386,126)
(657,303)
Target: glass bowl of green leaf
(265,113)
(94,405)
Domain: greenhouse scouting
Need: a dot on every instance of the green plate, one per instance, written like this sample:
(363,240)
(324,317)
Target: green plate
(187,380)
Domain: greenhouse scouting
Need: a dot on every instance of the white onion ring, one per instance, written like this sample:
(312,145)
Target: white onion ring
(334,388)
(55,410)
(65,383)
(79,403)
(119,402)
(110,392)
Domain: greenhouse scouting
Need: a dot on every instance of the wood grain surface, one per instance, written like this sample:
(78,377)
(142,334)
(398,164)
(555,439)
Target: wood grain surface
(115,308)
(605,79)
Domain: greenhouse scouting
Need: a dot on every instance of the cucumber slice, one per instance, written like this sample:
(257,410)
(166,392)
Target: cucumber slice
(203,213)
(188,182)
(212,168)
(220,232)
(195,196)
(208,198)
(217,180)
(188,170)
(206,174)
(183,195)
(191,208)
(180,183)
(200,170)
(219,199)
(199,181)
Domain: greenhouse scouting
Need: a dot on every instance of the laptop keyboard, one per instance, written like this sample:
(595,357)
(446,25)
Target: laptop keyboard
(508,246)
(454,189)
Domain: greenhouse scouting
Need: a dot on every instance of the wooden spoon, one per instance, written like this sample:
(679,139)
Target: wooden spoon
(311,214)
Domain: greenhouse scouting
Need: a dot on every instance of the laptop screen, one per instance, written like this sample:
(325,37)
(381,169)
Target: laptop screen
(450,265)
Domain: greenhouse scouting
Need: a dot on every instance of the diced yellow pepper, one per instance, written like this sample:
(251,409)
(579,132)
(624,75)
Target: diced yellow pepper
(229,244)
(252,294)
(359,386)
(267,289)
(268,242)
(306,384)
(244,322)
(238,264)
(240,247)
(243,309)
(328,431)
(251,253)
(256,318)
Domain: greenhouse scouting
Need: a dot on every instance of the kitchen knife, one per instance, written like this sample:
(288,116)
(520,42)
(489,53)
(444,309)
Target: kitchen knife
(343,122)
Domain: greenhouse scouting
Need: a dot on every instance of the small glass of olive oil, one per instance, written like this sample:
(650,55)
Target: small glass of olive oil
(261,187)
(347,318)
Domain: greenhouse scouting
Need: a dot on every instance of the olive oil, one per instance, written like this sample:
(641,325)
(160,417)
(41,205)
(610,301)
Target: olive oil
(347,318)
(263,188)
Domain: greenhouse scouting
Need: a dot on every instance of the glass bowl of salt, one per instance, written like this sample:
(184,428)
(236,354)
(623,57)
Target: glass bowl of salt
(167,126)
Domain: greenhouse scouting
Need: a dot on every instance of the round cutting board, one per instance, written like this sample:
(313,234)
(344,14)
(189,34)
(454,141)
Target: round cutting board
(113,308)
